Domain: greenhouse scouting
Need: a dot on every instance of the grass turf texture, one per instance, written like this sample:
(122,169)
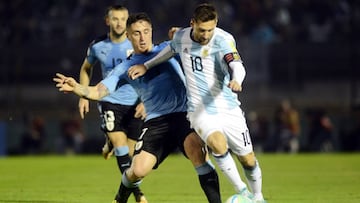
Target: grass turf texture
(90,179)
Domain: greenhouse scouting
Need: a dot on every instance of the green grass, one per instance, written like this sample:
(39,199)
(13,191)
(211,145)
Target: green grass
(90,179)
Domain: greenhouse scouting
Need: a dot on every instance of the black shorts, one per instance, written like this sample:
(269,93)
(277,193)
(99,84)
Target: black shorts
(163,135)
(117,117)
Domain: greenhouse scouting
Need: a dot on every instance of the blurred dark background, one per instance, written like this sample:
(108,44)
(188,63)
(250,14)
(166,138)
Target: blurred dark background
(304,51)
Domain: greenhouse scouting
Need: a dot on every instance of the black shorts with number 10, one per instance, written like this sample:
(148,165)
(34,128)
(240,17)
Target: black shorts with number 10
(117,117)
(163,135)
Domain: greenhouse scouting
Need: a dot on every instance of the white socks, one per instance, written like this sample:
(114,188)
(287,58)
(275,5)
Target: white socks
(254,179)
(227,165)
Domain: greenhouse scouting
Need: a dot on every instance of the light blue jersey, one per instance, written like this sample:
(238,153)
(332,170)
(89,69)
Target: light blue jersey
(110,54)
(207,73)
(161,89)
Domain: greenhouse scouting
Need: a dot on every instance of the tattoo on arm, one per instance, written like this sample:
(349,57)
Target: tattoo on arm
(102,90)
(83,91)
(92,92)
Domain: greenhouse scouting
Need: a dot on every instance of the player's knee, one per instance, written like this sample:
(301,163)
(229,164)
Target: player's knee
(138,173)
(194,149)
(248,161)
(193,144)
(118,138)
(217,143)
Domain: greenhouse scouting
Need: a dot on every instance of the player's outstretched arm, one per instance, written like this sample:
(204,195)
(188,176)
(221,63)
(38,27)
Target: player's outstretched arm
(139,70)
(65,84)
(68,84)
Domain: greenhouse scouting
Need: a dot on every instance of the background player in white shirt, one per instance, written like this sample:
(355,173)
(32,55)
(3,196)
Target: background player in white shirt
(214,71)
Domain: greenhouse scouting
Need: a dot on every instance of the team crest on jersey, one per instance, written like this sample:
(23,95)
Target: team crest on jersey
(236,56)
(205,53)
(129,52)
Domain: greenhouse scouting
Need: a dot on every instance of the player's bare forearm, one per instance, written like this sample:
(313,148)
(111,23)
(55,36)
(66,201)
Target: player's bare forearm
(101,91)
(85,73)
(82,91)
(91,92)
(69,84)
(84,79)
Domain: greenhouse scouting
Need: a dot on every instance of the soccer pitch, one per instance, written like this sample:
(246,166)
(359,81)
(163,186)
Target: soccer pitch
(90,179)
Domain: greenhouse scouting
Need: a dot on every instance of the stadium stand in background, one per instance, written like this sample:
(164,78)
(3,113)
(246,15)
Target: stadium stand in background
(307,51)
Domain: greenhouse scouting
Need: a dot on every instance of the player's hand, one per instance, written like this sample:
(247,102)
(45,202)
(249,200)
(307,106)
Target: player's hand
(234,86)
(136,71)
(140,111)
(83,107)
(64,84)
(172,31)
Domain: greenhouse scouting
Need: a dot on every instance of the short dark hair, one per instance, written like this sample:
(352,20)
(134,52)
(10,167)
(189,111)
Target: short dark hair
(133,18)
(117,7)
(205,12)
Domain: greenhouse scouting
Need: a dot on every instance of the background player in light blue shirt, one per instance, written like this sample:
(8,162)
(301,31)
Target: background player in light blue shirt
(166,127)
(117,110)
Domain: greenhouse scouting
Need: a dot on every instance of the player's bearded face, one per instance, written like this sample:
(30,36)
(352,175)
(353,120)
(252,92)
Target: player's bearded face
(203,31)
(118,32)
(140,35)
(117,22)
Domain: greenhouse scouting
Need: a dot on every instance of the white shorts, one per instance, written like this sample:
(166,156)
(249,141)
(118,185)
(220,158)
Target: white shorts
(231,123)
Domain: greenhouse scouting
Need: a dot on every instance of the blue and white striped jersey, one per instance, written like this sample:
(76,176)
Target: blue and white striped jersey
(207,73)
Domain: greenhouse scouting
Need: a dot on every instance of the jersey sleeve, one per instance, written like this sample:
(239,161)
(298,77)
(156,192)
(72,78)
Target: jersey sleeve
(112,80)
(229,50)
(175,41)
(229,44)
(90,54)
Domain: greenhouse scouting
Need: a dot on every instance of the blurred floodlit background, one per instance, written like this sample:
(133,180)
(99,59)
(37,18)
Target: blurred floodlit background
(302,52)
